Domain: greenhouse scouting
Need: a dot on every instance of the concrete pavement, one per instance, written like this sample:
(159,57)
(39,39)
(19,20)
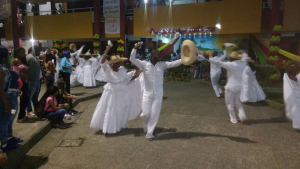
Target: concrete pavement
(193,132)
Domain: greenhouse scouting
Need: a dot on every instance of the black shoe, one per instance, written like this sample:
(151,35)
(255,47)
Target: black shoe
(74,111)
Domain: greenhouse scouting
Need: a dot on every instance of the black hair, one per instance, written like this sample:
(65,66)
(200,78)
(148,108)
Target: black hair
(60,97)
(49,57)
(51,91)
(16,51)
(34,47)
(3,53)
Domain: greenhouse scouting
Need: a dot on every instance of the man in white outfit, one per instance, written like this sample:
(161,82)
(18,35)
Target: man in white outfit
(234,83)
(215,71)
(153,72)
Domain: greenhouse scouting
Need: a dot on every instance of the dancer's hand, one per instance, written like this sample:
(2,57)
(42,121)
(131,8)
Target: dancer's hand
(138,45)
(66,105)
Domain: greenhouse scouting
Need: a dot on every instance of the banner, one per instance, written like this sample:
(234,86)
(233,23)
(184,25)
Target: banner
(112,25)
(111,12)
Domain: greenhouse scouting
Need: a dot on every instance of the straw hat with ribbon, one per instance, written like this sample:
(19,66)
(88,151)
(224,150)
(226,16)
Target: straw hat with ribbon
(188,52)
(115,59)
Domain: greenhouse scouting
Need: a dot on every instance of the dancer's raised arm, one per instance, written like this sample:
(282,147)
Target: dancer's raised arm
(133,60)
(104,55)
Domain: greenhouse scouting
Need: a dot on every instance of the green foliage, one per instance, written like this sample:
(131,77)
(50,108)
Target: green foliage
(180,73)
(263,72)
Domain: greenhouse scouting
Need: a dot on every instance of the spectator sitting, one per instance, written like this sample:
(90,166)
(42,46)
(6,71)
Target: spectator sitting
(64,97)
(54,112)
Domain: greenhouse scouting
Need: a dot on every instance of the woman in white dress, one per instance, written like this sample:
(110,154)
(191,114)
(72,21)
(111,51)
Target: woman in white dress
(79,70)
(109,114)
(74,57)
(88,75)
(251,90)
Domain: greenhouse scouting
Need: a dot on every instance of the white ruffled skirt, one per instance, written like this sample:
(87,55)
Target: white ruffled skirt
(107,115)
(88,79)
(80,75)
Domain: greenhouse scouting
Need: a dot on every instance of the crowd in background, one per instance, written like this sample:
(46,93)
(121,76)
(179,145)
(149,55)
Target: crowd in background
(21,76)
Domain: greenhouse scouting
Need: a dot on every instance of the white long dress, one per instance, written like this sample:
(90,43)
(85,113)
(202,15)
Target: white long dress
(79,70)
(89,78)
(74,55)
(109,113)
(291,95)
(56,76)
(251,90)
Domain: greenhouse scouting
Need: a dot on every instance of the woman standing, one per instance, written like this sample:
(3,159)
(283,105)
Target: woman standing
(19,65)
(88,74)
(107,115)
(57,65)
(49,70)
(251,90)
(5,106)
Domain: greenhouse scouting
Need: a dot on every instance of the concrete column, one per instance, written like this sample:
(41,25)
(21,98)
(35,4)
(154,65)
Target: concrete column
(275,13)
(97,17)
(14,18)
(123,23)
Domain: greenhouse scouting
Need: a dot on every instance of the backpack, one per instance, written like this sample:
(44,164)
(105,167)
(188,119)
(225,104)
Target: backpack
(39,109)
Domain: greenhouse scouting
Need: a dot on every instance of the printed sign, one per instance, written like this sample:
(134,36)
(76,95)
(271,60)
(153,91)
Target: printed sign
(112,25)
(111,8)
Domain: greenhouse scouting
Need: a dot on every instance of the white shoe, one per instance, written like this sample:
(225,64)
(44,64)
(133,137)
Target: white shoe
(30,114)
(68,117)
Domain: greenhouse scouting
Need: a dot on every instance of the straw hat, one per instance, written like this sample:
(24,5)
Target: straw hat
(188,52)
(88,53)
(235,55)
(72,46)
(55,50)
(115,59)
(249,59)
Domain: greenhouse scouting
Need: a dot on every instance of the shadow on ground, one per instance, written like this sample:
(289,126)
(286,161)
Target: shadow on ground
(258,104)
(33,162)
(190,135)
(171,133)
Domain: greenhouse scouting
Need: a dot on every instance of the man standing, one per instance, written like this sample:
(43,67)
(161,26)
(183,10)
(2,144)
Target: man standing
(153,72)
(215,71)
(238,61)
(34,77)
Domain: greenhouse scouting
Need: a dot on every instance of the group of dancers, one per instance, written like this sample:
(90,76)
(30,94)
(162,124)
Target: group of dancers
(85,66)
(130,93)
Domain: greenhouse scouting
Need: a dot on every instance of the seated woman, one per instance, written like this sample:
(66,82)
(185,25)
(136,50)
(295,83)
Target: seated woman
(64,97)
(54,112)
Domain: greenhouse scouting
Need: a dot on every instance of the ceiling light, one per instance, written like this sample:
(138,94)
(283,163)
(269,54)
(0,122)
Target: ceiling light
(218,26)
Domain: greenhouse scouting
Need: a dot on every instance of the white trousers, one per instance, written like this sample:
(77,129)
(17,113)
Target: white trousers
(232,100)
(214,81)
(151,109)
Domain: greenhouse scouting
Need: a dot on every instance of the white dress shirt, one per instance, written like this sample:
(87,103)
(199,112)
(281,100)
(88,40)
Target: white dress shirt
(214,68)
(153,74)
(234,72)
